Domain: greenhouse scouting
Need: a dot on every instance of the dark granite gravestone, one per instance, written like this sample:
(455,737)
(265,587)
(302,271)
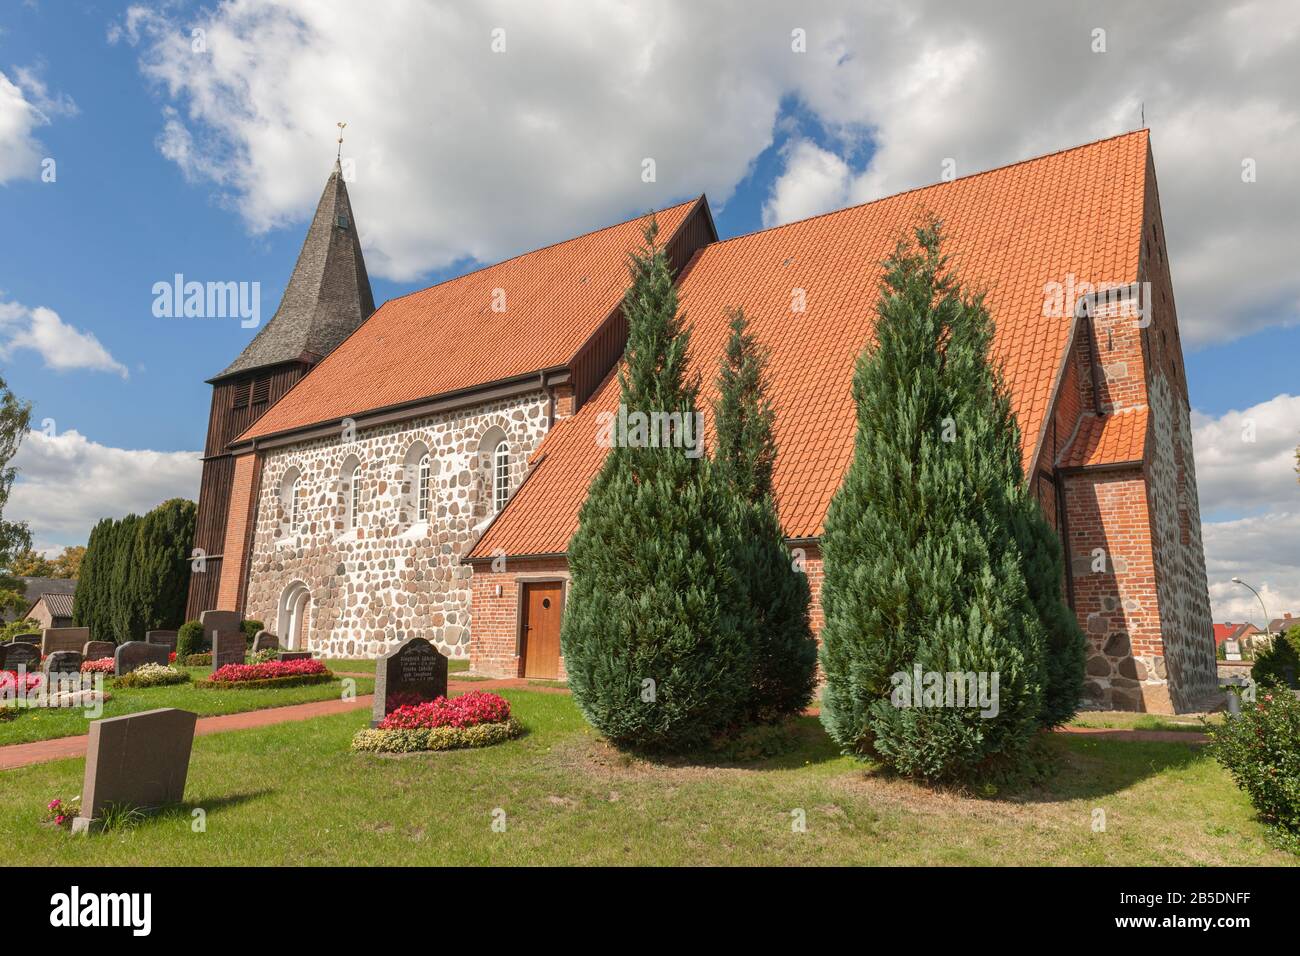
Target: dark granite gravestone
(227,648)
(132,654)
(265,641)
(165,638)
(140,761)
(64,639)
(62,662)
(98,650)
(413,673)
(293,656)
(20,653)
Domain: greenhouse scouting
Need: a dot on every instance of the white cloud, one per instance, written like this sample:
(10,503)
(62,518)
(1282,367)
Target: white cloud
(1264,551)
(61,346)
(815,181)
(1251,487)
(462,152)
(66,483)
(1245,460)
(20,152)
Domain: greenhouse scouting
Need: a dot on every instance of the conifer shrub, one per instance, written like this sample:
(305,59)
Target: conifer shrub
(784,651)
(939,583)
(654,636)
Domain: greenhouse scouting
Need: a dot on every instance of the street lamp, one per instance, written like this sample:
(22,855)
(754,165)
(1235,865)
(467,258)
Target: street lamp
(1267,632)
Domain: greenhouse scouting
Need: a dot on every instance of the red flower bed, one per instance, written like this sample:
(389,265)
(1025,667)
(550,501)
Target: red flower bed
(102,666)
(467,710)
(9,682)
(237,673)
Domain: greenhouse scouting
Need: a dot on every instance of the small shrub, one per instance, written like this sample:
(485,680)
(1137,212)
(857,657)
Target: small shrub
(152,675)
(261,657)
(105,665)
(250,629)
(467,710)
(435,738)
(196,660)
(1279,662)
(1260,747)
(190,639)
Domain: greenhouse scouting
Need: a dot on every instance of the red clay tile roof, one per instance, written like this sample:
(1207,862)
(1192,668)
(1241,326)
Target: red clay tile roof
(447,338)
(1010,231)
(1224,632)
(1107,440)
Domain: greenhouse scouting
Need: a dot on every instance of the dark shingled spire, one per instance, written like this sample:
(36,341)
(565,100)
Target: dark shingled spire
(328,295)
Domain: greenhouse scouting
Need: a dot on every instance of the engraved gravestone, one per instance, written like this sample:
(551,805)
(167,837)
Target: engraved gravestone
(139,761)
(132,654)
(293,656)
(227,648)
(19,654)
(265,641)
(413,673)
(62,662)
(64,639)
(223,630)
(98,650)
(165,638)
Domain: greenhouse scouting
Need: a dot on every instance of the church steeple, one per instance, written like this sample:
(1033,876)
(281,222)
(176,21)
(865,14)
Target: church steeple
(328,295)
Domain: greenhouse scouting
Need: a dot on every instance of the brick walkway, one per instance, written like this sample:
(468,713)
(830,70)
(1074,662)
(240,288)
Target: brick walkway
(61,748)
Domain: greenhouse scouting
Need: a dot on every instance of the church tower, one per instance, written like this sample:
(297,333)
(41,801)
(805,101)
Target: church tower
(327,298)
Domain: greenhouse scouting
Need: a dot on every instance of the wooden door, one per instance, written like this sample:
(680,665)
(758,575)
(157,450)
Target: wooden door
(543,604)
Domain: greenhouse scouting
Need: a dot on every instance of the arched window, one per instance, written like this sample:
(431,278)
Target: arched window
(291,495)
(500,475)
(422,489)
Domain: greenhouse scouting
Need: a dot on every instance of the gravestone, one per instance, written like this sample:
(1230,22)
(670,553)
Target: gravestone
(20,654)
(293,656)
(221,629)
(63,639)
(265,641)
(62,662)
(227,648)
(98,650)
(140,761)
(413,673)
(133,654)
(165,638)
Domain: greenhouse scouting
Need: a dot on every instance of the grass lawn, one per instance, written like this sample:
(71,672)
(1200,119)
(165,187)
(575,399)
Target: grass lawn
(45,723)
(293,795)
(1126,720)
(354,666)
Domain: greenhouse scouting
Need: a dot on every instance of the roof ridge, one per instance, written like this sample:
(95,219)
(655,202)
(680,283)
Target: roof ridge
(550,245)
(916,189)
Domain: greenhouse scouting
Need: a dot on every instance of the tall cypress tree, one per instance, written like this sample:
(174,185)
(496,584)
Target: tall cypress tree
(785,652)
(924,576)
(160,574)
(653,636)
(125,602)
(90,604)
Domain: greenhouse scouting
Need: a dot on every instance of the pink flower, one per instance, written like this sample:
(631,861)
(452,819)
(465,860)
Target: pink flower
(238,673)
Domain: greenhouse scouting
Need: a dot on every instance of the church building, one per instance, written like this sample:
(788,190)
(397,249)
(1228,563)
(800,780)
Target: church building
(419,471)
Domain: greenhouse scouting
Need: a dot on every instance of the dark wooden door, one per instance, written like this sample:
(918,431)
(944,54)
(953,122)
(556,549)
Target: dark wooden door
(543,604)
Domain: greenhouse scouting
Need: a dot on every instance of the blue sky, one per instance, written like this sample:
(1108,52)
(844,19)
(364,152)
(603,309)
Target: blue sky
(162,168)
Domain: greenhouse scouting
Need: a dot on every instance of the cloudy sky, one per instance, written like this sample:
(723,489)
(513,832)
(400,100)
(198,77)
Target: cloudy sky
(138,141)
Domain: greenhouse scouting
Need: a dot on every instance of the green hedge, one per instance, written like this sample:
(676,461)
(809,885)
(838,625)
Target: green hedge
(297,680)
(435,738)
(1260,747)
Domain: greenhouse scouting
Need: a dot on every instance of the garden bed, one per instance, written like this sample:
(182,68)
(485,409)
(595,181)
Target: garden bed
(268,674)
(475,719)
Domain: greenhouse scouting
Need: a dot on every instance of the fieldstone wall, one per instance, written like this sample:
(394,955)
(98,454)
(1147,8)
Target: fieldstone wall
(391,577)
